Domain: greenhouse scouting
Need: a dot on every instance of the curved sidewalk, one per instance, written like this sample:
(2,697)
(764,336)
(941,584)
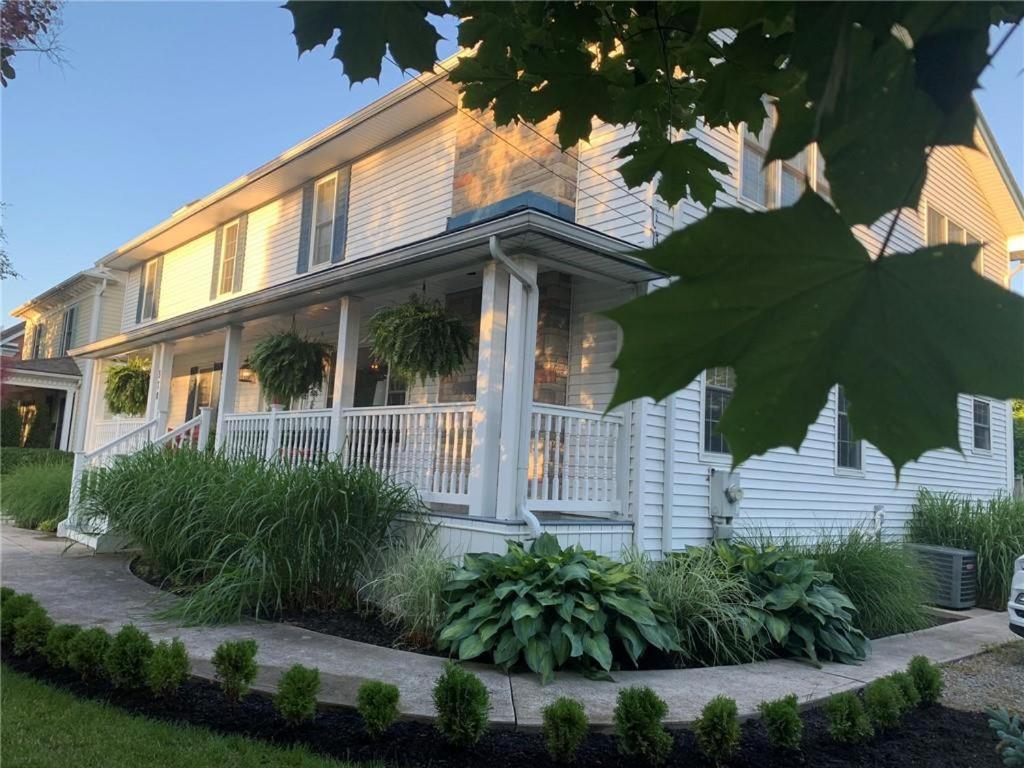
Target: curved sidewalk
(77,586)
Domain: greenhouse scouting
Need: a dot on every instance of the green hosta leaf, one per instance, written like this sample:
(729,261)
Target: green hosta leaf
(504,590)
(457,630)
(507,650)
(631,608)
(526,627)
(575,640)
(684,166)
(565,610)
(596,647)
(793,302)
(777,626)
(572,571)
(471,647)
(807,637)
(783,597)
(546,545)
(368,31)
(523,608)
(488,630)
(633,642)
(561,647)
(540,658)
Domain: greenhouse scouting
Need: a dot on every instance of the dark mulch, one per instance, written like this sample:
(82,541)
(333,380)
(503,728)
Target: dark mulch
(936,737)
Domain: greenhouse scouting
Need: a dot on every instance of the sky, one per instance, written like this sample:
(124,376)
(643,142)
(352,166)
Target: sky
(160,103)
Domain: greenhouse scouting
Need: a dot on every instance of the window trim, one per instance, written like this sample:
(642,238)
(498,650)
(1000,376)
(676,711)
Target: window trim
(974,426)
(67,335)
(928,209)
(312,222)
(703,455)
(237,224)
(143,279)
(840,469)
(774,171)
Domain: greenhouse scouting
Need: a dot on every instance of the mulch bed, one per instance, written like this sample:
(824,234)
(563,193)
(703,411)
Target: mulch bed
(936,737)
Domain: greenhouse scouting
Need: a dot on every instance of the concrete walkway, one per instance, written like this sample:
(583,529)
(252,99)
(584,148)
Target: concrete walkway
(79,587)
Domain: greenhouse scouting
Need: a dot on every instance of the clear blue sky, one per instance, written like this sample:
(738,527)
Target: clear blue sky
(161,103)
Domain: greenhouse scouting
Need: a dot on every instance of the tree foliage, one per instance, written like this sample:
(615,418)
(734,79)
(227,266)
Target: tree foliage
(28,25)
(788,298)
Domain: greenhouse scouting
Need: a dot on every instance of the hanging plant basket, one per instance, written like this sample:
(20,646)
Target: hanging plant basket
(127,387)
(419,339)
(289,366)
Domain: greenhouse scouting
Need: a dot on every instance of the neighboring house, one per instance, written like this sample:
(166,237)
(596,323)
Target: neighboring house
(529,243)
(38,373)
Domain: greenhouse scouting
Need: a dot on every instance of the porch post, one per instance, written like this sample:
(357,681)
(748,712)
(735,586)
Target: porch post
(346,358)
(154,382)
(65,426)
(517,392)
(84,418)
(486,447)
(228,379)
(163,362)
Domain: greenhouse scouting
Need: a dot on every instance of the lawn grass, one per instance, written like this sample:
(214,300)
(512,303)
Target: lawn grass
(44,727)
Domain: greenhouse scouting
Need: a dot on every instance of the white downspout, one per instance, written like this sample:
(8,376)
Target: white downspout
(530,286)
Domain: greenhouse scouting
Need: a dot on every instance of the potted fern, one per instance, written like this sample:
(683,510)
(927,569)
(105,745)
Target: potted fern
(420,339)
(289,366)
(127,387)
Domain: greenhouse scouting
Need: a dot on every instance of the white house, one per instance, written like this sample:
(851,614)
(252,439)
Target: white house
(412,194)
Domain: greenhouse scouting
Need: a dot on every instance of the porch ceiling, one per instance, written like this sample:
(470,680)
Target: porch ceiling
(553,241)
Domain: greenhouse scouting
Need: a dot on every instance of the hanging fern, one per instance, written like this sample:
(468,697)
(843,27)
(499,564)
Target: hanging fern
(127,387)
(420,339)
(289,366)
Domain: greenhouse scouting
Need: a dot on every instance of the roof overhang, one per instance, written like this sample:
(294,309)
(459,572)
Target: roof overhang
(71,289)
(998,184)
(554,242)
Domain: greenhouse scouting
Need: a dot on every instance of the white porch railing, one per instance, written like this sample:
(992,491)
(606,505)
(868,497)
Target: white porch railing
(295,437)
(428,446)
(574,460)
(104,433)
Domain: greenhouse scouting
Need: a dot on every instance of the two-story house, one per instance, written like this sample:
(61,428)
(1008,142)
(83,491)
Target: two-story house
(39,375)
(415,195)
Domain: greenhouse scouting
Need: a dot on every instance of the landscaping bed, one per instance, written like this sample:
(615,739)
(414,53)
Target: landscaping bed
(935,736)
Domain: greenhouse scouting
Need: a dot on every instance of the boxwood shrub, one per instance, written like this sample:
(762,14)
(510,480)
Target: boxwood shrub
(377,704)
(552,607)
(87,652)
(168,667)
(462,704)
(127,656)
(637,718)
(58,643)
(564,727)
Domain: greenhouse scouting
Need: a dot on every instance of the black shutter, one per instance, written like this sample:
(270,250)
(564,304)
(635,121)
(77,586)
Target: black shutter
(340,215)
(218,241)
(305,227)
(243,228)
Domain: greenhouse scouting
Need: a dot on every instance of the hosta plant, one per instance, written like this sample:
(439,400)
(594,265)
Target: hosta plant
(796,609)
(552,608)
(420,339)
(127,387)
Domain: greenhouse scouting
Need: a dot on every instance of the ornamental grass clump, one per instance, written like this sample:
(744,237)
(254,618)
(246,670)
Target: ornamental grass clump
(993,528)
(248,537)
(927,679)
(550,608)
(848,723)
(35,496)
(87,653)
(718,729)
(564,727)
(884,703)
(462,704)
(289,366)
(637,718)
(782,722)
(377,704)
(57,647)
(127,387)
(127,656)
(234,663)
(31,630)
(420,339)
(296,694)
(168,668)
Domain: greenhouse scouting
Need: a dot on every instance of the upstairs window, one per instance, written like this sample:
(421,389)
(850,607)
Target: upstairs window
(718,386)
(323,220)
(942,230)
(67,335)
(982,425)
(148,293)
(37,341)
(848,450)
(756,177)
(782,182)
(228,258)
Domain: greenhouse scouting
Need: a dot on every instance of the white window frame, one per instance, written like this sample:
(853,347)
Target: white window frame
(774,170)
(312,224)
(704,455)
(234,259)
(968,238)
(974,426)
(148,282)
(839,468)
(67,335)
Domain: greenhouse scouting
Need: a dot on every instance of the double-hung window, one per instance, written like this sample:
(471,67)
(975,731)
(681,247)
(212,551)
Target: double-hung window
(148,297)
(718,386)
(982,425)
(848,450)
(782,182)
(326,192)
(228,258)
(757,178)
(67,335)
(942,230)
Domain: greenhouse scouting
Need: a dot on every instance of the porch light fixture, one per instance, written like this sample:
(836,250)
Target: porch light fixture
(246,373)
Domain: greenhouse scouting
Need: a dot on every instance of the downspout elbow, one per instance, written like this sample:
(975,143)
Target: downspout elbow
(499,255)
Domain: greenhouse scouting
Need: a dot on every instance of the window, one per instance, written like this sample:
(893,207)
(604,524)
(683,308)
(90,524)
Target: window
(323,220)
(718,386)
(942,229)
(68,330)
(148,297)
(228,256)
(757,178)
(782,182)
(848,450)
(982,425)
(374,384)
(37,341)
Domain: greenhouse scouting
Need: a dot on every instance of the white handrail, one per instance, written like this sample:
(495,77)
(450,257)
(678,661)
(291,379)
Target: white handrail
(147,426)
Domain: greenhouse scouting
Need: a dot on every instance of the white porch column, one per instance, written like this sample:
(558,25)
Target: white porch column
(486,448)
(67,421)
(517,391)
(87,392)
(346,358)
(154,382)
(228,379)
(162,370)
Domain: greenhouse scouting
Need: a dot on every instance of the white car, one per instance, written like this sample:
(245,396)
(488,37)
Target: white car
(1016,604)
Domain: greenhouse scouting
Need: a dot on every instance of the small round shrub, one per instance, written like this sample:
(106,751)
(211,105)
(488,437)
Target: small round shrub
(564,727)
(168,667)
(30,630)
(58,643)
(377,703)
(6,592)
(782,722)
(14,607)
(462,705)
(884,703)
(848,723)
(87,651)
(718,729)
(234,662)
(296,694)
(127,656)
(927,679)
(911,697)
(638,715)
